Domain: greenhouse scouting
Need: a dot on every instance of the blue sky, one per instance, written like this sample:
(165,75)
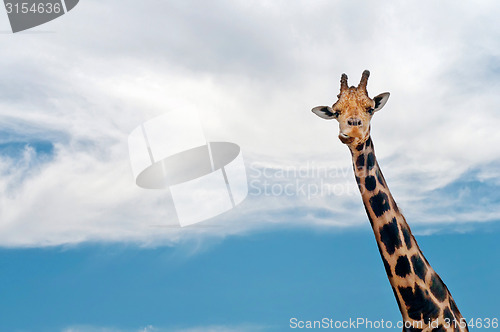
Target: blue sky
(252,283)
(83,249)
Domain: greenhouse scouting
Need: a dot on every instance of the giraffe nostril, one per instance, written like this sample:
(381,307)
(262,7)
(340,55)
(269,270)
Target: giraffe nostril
(354,122)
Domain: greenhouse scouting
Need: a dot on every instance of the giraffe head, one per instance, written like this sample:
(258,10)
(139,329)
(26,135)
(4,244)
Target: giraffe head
(353,110)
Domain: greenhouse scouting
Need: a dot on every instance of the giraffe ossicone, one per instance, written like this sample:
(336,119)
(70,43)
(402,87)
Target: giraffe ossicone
(423,299)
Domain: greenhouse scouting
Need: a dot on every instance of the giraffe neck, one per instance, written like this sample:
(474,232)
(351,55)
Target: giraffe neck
(421,295)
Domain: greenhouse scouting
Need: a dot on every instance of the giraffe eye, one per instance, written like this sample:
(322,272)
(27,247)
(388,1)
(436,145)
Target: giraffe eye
(369,110)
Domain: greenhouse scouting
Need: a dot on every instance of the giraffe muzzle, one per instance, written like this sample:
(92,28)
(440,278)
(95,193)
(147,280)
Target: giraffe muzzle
(346,139)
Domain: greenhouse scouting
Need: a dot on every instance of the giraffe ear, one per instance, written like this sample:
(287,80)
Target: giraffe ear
(325,112)
(380,101)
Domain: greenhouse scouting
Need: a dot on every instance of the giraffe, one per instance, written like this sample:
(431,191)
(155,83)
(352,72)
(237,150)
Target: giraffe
(423,299)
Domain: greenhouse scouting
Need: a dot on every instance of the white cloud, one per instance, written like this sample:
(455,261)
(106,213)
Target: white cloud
(253,71)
